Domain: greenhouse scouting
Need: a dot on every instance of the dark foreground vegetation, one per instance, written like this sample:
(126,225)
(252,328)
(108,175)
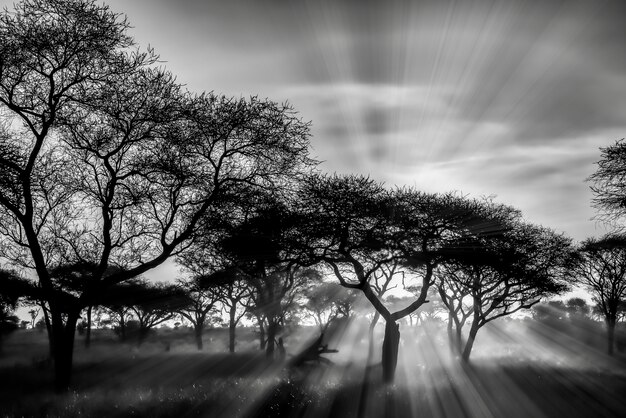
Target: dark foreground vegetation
(507,378)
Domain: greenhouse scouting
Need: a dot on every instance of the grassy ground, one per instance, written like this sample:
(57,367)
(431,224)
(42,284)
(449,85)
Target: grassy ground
(113,380)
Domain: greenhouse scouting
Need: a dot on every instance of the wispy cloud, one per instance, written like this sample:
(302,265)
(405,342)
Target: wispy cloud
(512,98)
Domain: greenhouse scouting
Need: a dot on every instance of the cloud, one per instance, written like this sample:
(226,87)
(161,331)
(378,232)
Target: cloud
(512,98)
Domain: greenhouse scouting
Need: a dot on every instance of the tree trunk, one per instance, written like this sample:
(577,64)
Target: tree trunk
(459,339)
(610,329)
(390,350)
(469,343)
(88,330)
(262,339)
(452,343)
(197,329)
(231,328)
(272,328)
(46,318)
(143,334)
(63,351)
(122,328)
(370,335)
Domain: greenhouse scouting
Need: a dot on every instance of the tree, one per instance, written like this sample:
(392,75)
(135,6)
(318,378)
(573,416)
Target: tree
(75,279)
(345,227)
(53,55)
(357,228)
(577,309)
(228,288)
(233,295)
(550,312)
(326,302)
(203,302)
(426,225)
(601,269)
(462,255)
(106,160)
(256,246)
(155,304)
(608,183)
(383,280)
(13,288)
(116,301)
(151,303)
(497,275)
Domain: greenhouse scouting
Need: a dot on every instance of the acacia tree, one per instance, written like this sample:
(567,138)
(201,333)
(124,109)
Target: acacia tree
(203,301)
(423,227)
(344,227)
(601,269)
(256,246)
(154,304)
(464,259)
(356,227)
(497,275)
(227,288)
(233,295)
(13,288)
(325,302)
(608,183)
(106,160)
(452,289)
(116,302)
(383,281)
(72,280)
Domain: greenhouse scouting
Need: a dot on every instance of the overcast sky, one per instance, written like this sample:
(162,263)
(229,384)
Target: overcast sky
(510,98)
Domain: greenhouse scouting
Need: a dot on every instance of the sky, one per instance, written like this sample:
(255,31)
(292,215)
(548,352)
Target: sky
(511,99)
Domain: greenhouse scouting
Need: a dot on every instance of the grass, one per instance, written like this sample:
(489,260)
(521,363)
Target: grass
(113,380)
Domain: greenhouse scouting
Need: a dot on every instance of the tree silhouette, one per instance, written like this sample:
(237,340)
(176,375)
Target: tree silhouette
(608,185)
(71,281)
(601,269)
(117,301)
(154,304)
(13,288)
(326,302)
(233,296)
(256,245)
(228,288)
(203,301)
(499,274)
(358,228)
(345,227)
(151,303)
(105,159)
